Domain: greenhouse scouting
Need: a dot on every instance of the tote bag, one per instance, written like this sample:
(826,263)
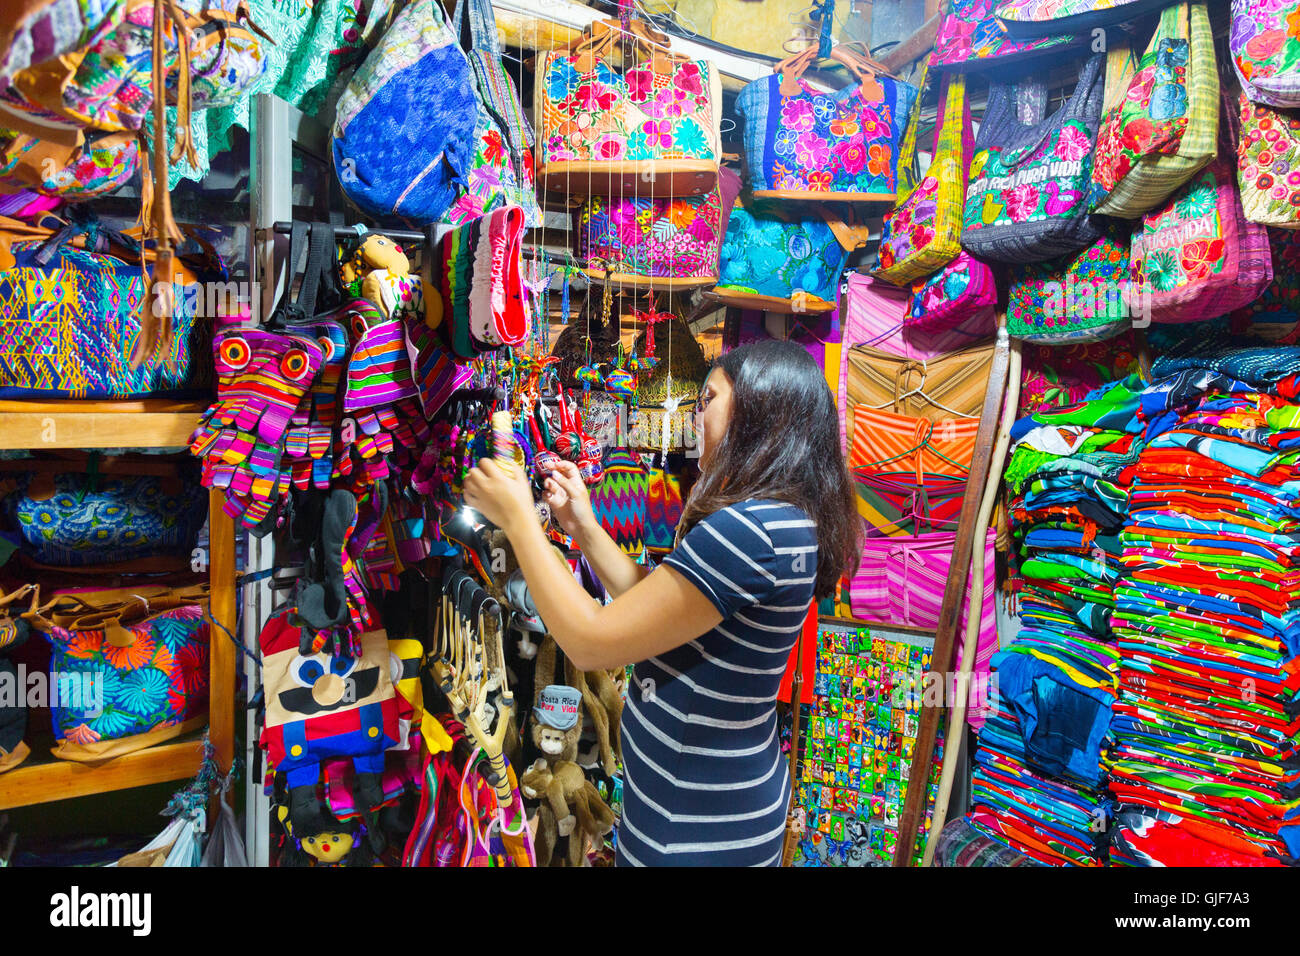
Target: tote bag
(923,230)
(937,389)
(1166,125)
(1075,299)
(1197,256)
(1264,44)
(884,440)
(1026,200)
(1268,164)
(963,288)
(778,258)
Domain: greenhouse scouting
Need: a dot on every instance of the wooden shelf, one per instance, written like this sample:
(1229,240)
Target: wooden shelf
(43,780)
(148,423)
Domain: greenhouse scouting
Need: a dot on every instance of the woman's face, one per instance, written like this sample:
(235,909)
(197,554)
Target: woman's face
(712,414)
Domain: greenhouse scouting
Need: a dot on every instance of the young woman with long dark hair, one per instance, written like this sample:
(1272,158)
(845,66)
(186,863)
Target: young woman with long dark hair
(770,525)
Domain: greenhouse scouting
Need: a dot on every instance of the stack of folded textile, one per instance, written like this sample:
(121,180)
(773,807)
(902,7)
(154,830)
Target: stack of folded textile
(1038,783)
(1204,765)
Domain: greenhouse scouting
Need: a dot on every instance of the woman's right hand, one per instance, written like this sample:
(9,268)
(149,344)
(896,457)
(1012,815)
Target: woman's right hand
(566,494)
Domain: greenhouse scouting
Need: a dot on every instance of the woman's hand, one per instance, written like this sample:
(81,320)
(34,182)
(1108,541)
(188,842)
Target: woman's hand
(501,496)
(567,496)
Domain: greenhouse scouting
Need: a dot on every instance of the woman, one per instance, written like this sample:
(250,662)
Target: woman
(770,525)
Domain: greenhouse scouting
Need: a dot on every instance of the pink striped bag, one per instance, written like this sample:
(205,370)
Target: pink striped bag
(901,581)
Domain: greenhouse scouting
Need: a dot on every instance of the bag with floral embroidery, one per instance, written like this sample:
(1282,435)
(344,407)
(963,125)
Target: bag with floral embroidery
(805,143)
(1164,124)
(1027,196)
(645,122)
(1268,164)
(1264,42)
(779,259)
(1075,299)
(962,288)
(971,38)
(1197,256)
(923,230)
(642,240)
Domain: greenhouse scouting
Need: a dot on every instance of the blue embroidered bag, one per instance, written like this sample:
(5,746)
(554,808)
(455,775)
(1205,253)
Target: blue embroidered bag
(769,253)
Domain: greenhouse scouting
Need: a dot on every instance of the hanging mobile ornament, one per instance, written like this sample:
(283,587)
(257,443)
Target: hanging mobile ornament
(619,381)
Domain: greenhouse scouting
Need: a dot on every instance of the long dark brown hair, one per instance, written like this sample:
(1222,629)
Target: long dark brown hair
(783,443)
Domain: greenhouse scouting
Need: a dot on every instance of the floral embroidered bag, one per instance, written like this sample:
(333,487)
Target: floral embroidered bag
(1268,164)
(923,230)
(1075,299)
(1026,200)
(970,37)
(1197,256)
(1043,18)
(644,239)
(1165,125)
(1264,42)
(946,299)
(647,125)
(806,143)
(501,173)
(777,259)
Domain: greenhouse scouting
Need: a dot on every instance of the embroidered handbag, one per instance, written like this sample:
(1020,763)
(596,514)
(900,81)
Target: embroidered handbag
(938,389)
(403,139)
(965,287)
(1075,299)
(923,231)
(1164,125)
(619,500)
(131,665)
(70,306)
(501,172)
(653,242)
(1027,19)
(1264,44)
(1055,376)
(644,127)
(779,259)
(1197,256)
(1268,164)
(89,512)
(805,143)
(1028,183)
(971,38)
(33,33)
(97,166)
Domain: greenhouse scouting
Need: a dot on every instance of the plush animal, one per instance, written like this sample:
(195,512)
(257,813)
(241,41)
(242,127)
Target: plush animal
(380,273)
(572,808)
(600,698)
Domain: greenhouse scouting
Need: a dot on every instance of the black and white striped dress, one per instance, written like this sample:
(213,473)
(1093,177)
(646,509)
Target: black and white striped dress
(704,780)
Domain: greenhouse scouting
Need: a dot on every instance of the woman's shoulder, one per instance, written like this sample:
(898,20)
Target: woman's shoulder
(769,513)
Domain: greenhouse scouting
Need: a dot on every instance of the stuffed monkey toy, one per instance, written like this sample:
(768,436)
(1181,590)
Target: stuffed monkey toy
(599,694)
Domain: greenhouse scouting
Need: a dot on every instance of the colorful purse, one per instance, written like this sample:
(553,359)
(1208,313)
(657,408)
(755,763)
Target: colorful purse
(132,667)
(886,441)
(649,128)
(965,287)
(1026,19)
(923,230)
(1268,165)
(99,165)
(1026,201)
(779,260)
(652,242)
(501,172)
(619,500)
(896,505)
(1197,256)
(1265,48)
(805,143)
(970,37)
(663,508)
(1164,125)
(1075,299)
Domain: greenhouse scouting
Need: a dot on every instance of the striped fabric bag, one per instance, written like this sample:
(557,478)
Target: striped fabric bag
(1163,125)
(619,500)
(901,580)
(894,504)
(912,445)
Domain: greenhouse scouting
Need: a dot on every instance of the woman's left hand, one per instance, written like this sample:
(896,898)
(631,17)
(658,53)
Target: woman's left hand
(502,497)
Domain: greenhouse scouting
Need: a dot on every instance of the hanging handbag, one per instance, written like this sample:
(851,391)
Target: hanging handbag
(501,172)
(98,165)
(970,37)
(663,509)
(653,242)
(1275,315)
(805,143)
(1056,376)
(1268,164)
(1264,44)
(1027,19)
(779,259)
(1026,201)
(1075,299)
(1197,256)
(1164,124)
(923,231)
(893,504)
(403,139)
(937,389)
(965,287)
(619,499)
(645,126)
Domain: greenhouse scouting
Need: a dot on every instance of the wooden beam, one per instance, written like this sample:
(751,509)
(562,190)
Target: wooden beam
(221,572)
(914,47)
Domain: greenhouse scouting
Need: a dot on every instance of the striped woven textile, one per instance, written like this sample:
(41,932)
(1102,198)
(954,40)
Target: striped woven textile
(619,500)
(912,445)
(380,370)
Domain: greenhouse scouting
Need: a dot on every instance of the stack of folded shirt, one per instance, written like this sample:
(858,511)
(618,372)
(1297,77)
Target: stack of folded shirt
(1038,784)
(1204,765)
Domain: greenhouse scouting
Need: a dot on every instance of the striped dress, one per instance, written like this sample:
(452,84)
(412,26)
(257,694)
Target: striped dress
(704,779)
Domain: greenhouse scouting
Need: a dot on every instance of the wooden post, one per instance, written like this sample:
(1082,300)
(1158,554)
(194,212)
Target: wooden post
(949,615)
(221,573)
